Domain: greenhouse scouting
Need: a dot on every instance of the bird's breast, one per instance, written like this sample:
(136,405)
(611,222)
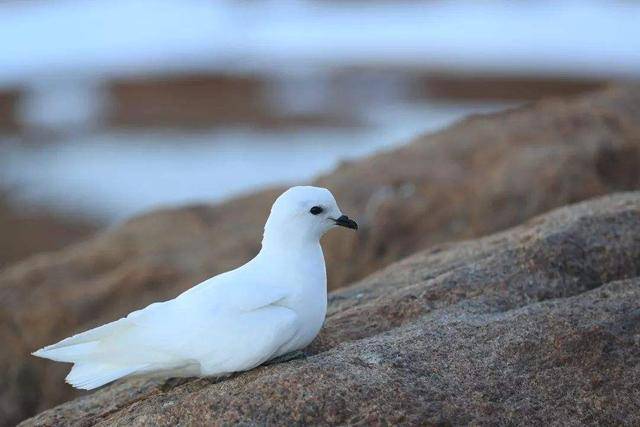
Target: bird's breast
(304,275)
(309,301)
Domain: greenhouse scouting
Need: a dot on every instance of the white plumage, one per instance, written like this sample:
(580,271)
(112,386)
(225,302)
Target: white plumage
(274,304)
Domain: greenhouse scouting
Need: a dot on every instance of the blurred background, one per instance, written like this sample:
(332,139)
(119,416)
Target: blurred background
(111,108)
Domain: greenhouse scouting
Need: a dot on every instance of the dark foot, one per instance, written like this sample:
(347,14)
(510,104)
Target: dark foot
(171,383)
(298,354)
(220,378)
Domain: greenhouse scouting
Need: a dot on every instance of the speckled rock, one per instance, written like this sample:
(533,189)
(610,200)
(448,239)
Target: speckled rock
(484,174)
(538,325)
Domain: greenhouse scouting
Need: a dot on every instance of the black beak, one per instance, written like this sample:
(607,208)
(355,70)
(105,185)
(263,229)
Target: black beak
(344,221)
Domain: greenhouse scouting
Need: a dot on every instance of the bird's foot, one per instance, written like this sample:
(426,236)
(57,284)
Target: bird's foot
(293,355)
(171,383)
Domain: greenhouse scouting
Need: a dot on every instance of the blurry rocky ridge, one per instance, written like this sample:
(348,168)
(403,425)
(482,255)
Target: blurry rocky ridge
(486,173)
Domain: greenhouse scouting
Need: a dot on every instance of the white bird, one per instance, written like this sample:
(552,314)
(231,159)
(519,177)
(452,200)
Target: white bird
(274,304)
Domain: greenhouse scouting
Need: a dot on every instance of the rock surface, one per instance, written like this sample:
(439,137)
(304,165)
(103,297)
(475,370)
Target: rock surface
(536,325)
(484,174)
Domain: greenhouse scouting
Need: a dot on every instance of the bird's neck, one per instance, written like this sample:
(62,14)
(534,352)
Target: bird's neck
(299,267)
(296,249)
(300,250)
(290,246)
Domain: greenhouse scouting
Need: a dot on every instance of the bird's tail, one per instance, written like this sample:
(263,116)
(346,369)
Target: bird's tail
(89,375)
(90,370)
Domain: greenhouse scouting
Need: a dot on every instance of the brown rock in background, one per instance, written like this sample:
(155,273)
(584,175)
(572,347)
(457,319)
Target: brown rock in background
(482,175)
(538,325)
(205,100)
(9,100)
(25,233)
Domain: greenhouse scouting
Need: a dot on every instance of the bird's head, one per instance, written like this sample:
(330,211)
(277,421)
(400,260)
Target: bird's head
(305,212)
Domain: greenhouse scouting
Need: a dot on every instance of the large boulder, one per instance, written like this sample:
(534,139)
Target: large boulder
(484,174)
(538,325)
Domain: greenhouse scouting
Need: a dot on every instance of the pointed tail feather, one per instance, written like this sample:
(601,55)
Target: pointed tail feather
(89,375)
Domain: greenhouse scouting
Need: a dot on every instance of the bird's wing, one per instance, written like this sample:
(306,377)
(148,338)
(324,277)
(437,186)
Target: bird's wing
(209,300)
(218,324)
(225,292)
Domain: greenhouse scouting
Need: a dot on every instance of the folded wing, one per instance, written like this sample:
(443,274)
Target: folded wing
(217,327)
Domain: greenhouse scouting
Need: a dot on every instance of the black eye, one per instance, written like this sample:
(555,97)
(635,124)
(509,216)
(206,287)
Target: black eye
(316,210)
